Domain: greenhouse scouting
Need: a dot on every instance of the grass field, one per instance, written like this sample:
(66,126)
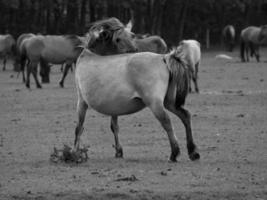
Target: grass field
(229,119)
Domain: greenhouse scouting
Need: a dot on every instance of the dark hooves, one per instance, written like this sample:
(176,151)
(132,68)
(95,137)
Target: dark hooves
(194,156)
(119,153)
(175,153)
(61,84)
(39,86)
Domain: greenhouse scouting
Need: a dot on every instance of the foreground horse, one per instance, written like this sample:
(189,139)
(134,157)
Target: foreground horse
(228,35)
(192,55)
(126,83)
(7,47)
(251,38)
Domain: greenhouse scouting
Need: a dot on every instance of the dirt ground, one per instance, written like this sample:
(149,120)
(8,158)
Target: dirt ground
(229,119)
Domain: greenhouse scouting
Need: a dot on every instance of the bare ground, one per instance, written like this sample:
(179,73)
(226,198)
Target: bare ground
(229,120)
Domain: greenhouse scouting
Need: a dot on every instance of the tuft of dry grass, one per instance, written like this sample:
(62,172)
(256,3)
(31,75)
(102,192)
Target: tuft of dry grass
(67,155)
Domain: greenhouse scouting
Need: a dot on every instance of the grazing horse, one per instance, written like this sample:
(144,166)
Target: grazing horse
(192,55)
(49,49)
(228,35)
(251,38)
(126,83)
(152,44)
(7,47)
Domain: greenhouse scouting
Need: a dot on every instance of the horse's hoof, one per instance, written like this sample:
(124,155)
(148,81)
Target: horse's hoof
(194,156)
(119,153)
(39,86)
(61,84)
(175,153)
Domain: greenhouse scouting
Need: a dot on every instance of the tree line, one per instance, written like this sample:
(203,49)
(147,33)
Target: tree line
(171,19)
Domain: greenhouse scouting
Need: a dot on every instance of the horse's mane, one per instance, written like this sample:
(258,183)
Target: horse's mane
(178,74)
(111,24)
(108,26)
(75,40)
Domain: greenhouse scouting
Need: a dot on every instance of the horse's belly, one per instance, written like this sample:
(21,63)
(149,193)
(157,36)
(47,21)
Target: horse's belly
(118,107)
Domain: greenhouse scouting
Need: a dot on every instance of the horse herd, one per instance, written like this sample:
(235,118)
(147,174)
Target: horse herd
(118,74)
(251,38)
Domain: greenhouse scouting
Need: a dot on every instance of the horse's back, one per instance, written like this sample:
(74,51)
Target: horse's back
(250,34)
(151,44)
(191,49)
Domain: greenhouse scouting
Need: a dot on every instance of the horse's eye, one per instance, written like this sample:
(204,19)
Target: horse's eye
(118,40)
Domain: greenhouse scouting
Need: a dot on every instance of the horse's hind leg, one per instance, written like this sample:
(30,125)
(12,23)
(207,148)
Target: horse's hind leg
(257,54)
(4,63)
(161,114)
(81,110)
(185,117)
(34,67)
(66,69)
(115,129)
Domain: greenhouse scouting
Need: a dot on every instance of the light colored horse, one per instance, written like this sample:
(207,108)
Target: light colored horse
(126,83)
(192,55)
(251,38)
(228,35)
(7,47)
(49,49)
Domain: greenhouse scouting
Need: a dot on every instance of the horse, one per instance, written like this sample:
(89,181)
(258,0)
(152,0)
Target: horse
(192,55)
(251,38)
(147,42)
(122,84)
(152,43)
(55,49)
(7,47)
(109,37)
(228,35)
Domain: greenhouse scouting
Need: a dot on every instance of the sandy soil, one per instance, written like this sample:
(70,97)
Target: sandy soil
(229,123)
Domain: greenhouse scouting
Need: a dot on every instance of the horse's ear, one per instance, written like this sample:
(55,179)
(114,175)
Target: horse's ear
(129,26)
(97,33)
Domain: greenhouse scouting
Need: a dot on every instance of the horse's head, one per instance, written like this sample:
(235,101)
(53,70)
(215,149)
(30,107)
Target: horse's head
(263,34)
(110,37)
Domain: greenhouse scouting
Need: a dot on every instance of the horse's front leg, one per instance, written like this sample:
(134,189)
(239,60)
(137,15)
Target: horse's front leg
(81,111)
(33,68)
(115,129)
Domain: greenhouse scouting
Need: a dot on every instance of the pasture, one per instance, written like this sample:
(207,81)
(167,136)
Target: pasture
(229,121)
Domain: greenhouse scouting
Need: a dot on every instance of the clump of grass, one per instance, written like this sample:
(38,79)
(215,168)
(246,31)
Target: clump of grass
(67,155)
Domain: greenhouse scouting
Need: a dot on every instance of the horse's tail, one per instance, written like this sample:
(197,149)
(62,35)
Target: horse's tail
(179,76)
(242,49)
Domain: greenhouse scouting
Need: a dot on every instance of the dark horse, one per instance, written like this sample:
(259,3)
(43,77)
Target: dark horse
(228,35)
(250,39)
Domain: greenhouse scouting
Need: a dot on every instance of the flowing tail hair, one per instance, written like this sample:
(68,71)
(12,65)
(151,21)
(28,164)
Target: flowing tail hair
(178,76)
